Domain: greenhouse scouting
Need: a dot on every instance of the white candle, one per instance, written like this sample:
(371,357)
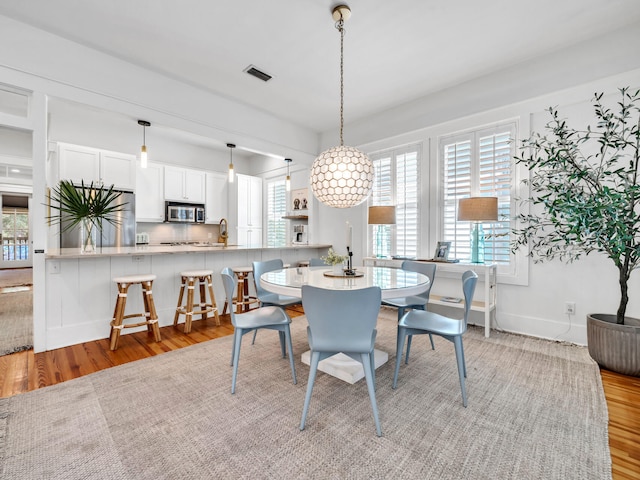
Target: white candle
(349,235)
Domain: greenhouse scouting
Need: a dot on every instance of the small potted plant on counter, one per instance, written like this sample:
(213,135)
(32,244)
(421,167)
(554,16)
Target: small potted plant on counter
(336,261)
(85,206)
(585,192)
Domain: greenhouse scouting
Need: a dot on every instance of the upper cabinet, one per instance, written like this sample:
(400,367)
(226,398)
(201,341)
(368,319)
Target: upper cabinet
(149,193)
(86,164)
(249,201)
(217,195)
(184,185)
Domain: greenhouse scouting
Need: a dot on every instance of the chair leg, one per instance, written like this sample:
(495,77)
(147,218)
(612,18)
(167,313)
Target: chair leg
(236,359)
(287,333)
(254,337)
(464,361)
(372,360)
(233,346)
(371,387)
(313,369)
(457,341)
(433,347)
(282,344)
(399,347)
(406,355)
(400,312)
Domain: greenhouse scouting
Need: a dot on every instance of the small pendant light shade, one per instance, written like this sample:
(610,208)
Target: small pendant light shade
(231,172)
(287,180)
(143,149)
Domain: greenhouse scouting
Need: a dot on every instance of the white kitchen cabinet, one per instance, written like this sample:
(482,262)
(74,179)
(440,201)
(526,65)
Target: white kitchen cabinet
(149,193)
(217,197)
(249,201)
(250,236)
(85,164)
(184,185)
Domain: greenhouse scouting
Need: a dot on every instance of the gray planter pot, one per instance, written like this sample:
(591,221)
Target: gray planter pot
(614,347)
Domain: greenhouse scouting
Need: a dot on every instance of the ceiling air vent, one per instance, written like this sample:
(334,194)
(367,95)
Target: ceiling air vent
(251,70)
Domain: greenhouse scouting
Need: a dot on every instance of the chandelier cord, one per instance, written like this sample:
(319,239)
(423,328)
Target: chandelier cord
(340,27)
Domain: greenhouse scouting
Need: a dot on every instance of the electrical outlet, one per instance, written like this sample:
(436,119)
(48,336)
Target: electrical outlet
(570,308)
(54,267)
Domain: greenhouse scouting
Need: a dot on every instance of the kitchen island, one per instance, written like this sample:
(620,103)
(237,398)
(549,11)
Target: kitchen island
(80,294)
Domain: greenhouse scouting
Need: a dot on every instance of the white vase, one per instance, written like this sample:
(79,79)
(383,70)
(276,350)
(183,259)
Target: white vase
(87,236)
(337,269)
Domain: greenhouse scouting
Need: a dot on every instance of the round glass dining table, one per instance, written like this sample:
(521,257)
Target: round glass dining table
(393,282)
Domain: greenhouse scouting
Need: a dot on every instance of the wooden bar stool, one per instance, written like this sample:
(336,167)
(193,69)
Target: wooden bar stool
(243,300)
(205,279)
(150,316)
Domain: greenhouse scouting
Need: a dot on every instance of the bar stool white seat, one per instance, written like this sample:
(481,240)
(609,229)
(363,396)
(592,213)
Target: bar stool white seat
(205,280)
(150,316)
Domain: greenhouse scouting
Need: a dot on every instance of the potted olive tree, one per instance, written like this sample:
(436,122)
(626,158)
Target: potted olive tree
(584,191)
(85,206)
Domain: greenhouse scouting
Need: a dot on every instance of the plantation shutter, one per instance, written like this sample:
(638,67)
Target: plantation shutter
(407,203)
(478,164)
(456,185)
(397,183)
(276,209)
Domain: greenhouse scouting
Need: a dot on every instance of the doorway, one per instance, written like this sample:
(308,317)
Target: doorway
(15,231)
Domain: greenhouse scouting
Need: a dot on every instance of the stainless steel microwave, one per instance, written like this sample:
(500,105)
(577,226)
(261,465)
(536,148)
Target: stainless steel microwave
(184,212)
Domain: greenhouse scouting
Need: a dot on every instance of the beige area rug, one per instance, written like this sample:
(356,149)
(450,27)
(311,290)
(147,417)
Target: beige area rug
(536,411)
(16,321)
(16,277)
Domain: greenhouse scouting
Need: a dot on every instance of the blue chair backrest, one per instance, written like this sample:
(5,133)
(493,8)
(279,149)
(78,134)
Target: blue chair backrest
(428,269)
(341,320)
(262,267)
(229,281)
(317,262)
(469,280)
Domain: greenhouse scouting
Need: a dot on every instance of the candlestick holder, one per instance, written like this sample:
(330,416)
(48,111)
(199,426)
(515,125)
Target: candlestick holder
(349,270)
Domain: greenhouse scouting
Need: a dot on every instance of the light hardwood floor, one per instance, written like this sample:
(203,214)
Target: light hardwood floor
(25,371)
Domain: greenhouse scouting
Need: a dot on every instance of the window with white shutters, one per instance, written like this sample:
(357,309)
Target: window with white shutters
(276,209)
(478,164)
(397,183)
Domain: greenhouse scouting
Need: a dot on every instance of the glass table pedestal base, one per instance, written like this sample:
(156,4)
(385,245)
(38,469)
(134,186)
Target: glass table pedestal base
(344,367)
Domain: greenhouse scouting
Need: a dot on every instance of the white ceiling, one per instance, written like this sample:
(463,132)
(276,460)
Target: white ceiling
(395,50)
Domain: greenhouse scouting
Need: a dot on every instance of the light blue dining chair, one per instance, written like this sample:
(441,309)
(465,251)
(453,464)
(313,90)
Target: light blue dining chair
(415,302)
(342,321)
(270,318)
(267,298)
(418,322)
(317,262)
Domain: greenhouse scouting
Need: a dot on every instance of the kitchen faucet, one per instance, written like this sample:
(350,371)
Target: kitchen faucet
(223,236)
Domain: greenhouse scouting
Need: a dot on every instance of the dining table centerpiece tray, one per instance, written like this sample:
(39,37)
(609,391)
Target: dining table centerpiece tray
(344,274)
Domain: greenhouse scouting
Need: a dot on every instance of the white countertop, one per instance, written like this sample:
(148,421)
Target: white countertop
(164,250)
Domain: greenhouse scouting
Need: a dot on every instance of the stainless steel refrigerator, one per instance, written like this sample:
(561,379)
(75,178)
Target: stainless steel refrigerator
(123,234)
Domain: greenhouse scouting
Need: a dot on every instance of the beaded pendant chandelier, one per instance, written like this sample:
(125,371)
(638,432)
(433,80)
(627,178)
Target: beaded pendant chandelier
(341,177)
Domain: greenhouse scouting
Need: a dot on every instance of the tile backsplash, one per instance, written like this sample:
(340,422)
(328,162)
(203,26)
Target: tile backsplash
(171,232)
